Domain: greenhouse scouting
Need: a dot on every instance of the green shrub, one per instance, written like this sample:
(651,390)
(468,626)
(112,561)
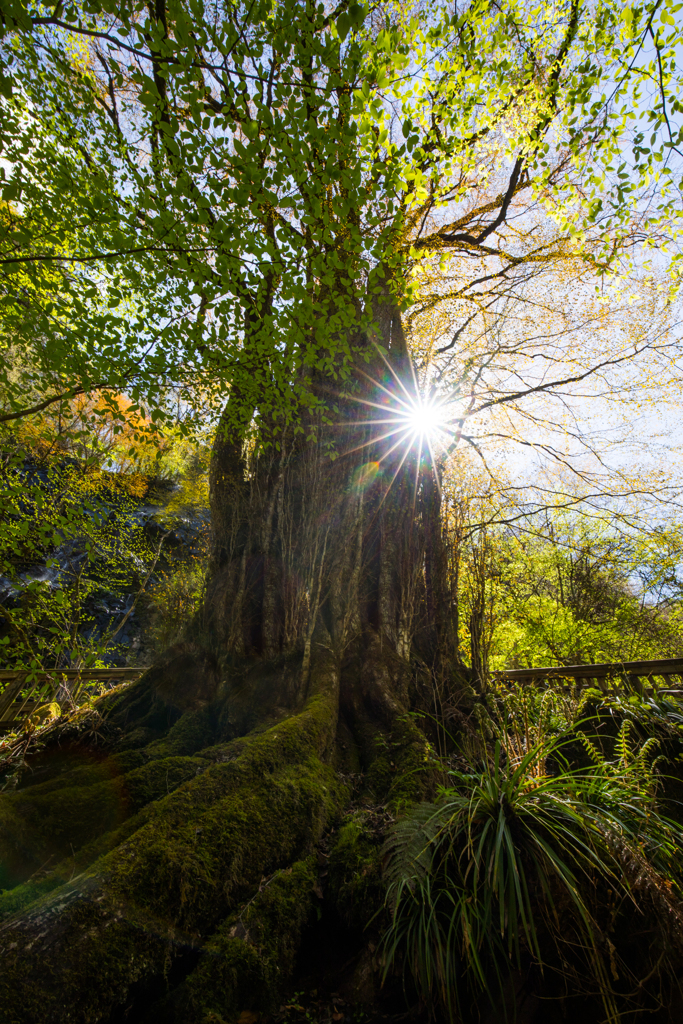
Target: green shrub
(529,861)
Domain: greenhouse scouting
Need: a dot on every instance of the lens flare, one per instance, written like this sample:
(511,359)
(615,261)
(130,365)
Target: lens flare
(428,420)
(365,474)
(404,423)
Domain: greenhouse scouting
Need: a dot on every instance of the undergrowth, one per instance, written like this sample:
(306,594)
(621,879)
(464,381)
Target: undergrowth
(531,861)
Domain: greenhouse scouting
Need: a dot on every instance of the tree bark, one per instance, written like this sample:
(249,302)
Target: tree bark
(168,851)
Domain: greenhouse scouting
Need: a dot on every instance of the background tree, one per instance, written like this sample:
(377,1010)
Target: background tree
(561,589)
(79,551)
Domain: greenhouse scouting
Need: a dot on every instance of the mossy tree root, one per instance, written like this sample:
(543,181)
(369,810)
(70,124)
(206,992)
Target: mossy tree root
(173,884)
(250,957)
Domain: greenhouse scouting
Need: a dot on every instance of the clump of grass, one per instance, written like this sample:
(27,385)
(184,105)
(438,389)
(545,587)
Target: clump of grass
(526,859)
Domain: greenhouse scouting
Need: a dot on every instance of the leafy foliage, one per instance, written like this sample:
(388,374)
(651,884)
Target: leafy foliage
(563,588)
(175,598)
(80,553)
(188,241)
(70,542)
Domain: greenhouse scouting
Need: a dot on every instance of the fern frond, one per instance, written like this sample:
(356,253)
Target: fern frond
(591,749)
(622,747)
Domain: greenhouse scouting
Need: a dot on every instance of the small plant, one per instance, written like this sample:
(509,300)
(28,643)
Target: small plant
(525,862)
(175,599)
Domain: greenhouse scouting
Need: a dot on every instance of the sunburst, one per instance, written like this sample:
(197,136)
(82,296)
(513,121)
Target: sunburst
(415,422)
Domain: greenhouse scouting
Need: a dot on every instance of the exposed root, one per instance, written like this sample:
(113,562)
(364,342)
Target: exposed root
(191,859)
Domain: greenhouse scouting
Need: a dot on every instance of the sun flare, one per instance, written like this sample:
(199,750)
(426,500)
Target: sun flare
(410,423)
(428,420)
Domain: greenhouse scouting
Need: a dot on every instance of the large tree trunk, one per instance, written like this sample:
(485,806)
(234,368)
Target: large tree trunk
(169,860)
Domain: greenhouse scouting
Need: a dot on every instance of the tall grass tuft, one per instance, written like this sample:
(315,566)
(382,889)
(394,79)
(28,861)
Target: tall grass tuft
(522,862)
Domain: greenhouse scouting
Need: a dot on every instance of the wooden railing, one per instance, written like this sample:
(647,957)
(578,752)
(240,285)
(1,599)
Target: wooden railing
(643,676)
(21,692)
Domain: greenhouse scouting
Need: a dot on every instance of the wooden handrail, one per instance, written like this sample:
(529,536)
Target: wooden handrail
(659,667)
(634,671)
(70,673)
(45,685)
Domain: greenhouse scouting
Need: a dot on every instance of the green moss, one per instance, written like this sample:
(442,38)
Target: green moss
(355,870)
(192,732)
(137,738)
(159,778)
(36,820)
(103,844)
(13,901)
(87,981)
(138,703)
(206,844)
(227,751)
(47,822)
(37,829)
(201,852)
(250,958)
(78,769)
(404,770)
(21,896)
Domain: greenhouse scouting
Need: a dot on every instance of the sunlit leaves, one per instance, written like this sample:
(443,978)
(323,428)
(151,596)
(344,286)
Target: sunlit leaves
(245,175)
